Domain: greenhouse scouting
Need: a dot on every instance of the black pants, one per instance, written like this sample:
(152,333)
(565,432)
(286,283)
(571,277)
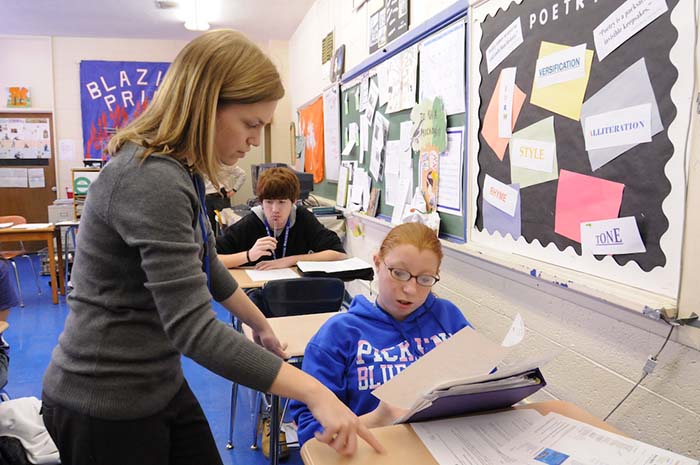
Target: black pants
(178,435)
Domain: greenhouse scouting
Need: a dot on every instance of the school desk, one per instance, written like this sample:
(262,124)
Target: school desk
(244,281)
(296,331)
(46,234)
(403,447)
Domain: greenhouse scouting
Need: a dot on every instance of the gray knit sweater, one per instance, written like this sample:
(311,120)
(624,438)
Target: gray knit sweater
(140,297)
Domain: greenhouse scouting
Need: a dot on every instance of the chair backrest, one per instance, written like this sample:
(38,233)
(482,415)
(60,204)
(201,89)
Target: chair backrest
(300,296)
(14,219)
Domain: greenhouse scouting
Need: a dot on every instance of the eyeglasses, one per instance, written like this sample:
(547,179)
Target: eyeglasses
(425,280)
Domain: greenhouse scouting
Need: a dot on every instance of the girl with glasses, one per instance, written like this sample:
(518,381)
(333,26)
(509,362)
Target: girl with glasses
(358,351)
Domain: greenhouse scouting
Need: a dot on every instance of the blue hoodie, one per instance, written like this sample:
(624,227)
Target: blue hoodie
(355,352)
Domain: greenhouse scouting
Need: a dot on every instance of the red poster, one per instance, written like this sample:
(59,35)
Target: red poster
(311,127)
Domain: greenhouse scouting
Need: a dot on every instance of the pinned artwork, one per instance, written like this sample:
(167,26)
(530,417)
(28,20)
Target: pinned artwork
(564,97)
(495,219)
(18,97)
(630,89)
(490,131)
(533,154)
(582,198)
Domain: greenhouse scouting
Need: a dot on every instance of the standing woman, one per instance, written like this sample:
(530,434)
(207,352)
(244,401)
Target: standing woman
(146,269)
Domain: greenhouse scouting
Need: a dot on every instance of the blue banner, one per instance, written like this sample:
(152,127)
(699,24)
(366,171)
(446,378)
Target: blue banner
(112,93)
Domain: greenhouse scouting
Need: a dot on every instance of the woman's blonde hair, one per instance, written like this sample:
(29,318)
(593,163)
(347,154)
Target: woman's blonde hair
(416,234)
(217,68)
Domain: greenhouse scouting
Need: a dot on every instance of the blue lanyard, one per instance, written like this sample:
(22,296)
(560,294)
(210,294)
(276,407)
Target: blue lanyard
(284,244)
(199,187)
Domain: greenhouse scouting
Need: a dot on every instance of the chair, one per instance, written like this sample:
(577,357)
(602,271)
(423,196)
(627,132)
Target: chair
(11,255)
(288,297)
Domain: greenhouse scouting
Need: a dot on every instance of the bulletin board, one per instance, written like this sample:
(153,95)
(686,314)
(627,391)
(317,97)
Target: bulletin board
(452,227)
(651,73)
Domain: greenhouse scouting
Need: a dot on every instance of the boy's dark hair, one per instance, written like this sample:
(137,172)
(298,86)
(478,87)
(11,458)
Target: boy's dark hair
(278,183)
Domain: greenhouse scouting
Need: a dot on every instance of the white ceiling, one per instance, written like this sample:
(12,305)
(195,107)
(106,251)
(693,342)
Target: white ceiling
(261,20)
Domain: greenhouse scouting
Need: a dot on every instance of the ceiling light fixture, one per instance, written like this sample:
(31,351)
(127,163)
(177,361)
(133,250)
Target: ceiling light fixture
(196,20)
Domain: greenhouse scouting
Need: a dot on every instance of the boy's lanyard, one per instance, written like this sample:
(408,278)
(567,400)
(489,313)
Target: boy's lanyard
(284,244)
(199,187)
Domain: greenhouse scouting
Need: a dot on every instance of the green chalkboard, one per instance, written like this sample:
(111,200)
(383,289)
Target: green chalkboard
(451,226)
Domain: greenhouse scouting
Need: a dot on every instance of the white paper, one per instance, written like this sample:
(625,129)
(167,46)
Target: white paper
(584,444)
(401,80)
(367,188)
(505,103)
(563,66)
(379,132)
(31,226)
(631,125)
(406,136)
(364,137)
(66,149)
(6,225)
(450,173)
(358,182)
(352,139)
(442,68)
(372,99)
(630,18)
(504,44)
(341,197)
(331,132)
(532,154)
(500,195)
(349,264)
(474,440)
(611,237)
(271,275)
(364,92)
(402,199)
(13,177)
(515,333)
(36,177)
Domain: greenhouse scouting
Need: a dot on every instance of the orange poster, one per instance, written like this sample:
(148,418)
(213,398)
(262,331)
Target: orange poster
(311,127)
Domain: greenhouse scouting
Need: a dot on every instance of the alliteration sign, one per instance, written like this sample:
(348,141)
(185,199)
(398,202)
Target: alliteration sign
(500,195)
(567,65)
(532,154)
(611,237)
(626,126)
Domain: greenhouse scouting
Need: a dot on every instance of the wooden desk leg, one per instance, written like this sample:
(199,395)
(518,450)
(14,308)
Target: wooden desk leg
(61,265)
(275,430)
(52,270)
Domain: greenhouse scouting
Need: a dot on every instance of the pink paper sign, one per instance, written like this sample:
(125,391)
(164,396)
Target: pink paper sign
(583,198)
(490,130)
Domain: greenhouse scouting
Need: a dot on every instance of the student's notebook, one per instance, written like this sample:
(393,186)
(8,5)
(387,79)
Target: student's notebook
(458,377)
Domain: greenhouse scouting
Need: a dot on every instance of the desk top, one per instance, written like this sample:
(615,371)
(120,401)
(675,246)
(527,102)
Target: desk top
(405,448)
(296,330)
(28,228)
(243,280)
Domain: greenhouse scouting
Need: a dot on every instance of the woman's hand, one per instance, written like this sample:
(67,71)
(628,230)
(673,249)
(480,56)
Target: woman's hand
(268,340)
(285,262)
(340,426)
(263,247)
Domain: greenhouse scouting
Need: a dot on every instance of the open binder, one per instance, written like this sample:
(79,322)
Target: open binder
(476,397)
(458,377)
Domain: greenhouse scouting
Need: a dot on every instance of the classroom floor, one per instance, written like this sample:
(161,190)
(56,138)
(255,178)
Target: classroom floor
(32,336)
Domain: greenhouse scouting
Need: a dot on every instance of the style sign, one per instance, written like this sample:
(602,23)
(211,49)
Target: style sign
(535,155)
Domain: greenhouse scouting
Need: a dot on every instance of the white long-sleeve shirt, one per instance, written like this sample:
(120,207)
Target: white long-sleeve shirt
(231,178)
